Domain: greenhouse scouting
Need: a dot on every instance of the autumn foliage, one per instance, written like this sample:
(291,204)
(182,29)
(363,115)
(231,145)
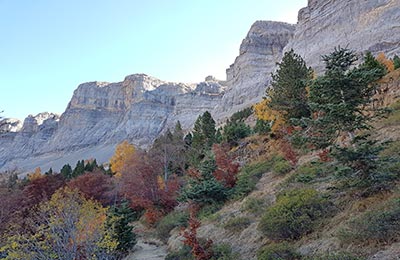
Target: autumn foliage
(94,185)
(123,152)
(227,170)
(199,251)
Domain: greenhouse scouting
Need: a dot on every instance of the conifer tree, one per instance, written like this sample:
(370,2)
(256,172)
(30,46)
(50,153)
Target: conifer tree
(396,62)
(288,94)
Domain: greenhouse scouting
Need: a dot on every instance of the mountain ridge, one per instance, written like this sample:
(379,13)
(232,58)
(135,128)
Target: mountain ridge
(140,107)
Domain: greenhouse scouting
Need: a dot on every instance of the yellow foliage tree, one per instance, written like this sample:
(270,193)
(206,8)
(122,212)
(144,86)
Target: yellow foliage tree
(37,174)
(381,58)
(123,152)
(68,226)
(264,112)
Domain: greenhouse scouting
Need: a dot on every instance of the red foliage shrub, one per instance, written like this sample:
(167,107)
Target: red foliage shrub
(94,185)
(324,155)
(200,252)
(41,189)
(140,183)
(288,152)
(227,170)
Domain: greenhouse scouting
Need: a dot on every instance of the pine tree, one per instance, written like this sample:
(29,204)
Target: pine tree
(66,171)
(79,169)
(337,98)
(288,94)
(119,219)
(396,62)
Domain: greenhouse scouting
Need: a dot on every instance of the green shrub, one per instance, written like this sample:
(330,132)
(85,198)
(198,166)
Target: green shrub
(170,221)
(294,214)
(183,254)
(281,251)
(381,226)
(254,205)
(308,172)
(234,131)
(247,179)
(220,252)
(262,127)
(237,224)
(209,209)
(281,166)
(223,252)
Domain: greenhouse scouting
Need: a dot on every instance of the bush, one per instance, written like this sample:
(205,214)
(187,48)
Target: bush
(281,251)
(223,252)
(170,221)
(234,131)
(309,171)
(393,118)
(237,224)
(254,205)
(294,214)
(208,210)
(380,226)
(262,127)
(248,178)
(281,166)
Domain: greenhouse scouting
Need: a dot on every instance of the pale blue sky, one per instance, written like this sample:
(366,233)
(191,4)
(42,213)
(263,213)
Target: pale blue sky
(49,47)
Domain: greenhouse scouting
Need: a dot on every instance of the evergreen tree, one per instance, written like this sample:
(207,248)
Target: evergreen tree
(79,169)
(337,98)
(396,62)
(288,93)
(234,131)
(66,171)
(119,219)
(204,132)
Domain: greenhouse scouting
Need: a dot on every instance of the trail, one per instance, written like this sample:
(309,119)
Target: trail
(148,250)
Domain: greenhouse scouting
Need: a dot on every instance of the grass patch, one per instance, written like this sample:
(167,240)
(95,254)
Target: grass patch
(248,177)
(379,226)
(169,222)
(208,211)
(308,172)
(280,251)
(254,206)
(393,118)
(237,224)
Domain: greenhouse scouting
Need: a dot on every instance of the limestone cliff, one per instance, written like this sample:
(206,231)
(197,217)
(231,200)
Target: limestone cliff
(359,25)
(101,114)
(249,75)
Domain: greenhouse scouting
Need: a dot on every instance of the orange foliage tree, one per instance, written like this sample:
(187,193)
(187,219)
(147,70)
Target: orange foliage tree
(381,58)
(123,152)
(141,184)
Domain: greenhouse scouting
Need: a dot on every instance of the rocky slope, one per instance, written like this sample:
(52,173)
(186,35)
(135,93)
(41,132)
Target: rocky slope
(139,108)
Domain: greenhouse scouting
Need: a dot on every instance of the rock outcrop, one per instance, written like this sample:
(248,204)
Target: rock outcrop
(250,74)
(101,114)
(360,25)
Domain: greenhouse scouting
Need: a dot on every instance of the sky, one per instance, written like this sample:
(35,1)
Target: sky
(47,47)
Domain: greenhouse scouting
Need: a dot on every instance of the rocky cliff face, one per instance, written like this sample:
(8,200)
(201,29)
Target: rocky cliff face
(359,25)
(249,75)
(100,114)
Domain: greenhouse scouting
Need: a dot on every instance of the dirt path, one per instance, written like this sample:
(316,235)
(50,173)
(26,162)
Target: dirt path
(148,250)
